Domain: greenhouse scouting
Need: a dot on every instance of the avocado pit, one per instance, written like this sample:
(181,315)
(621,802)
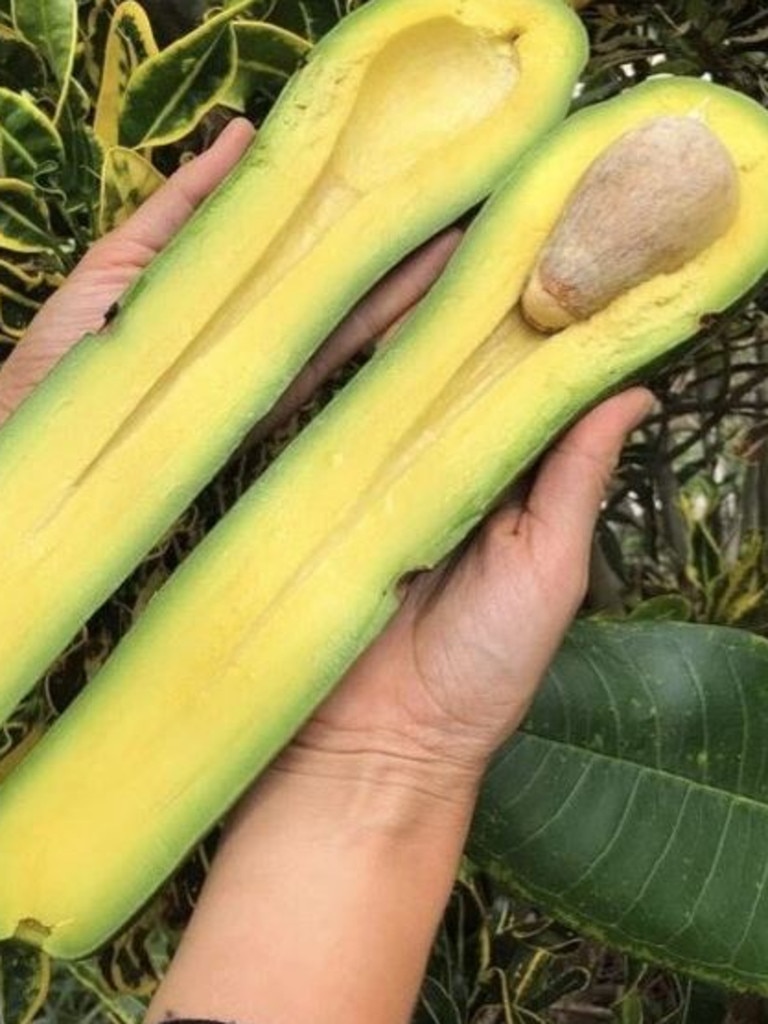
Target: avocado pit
(655,199)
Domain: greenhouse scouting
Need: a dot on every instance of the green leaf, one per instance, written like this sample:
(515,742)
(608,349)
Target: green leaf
(20,65)
(436,1005)
(113,1007)
(51,27)
(130,42)
(81,181)
(703,1005)
(24,224)
(169,94)
(15,318)
(21,275)
(127,180)
(267,56)
(27,138)
(664,607)
(260,9)
(634,802)
(631,1009)
(25,976)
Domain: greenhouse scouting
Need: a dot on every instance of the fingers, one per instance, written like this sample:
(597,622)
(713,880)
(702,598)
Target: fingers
(395,294)
(385,305)
(569,490)
(489,624)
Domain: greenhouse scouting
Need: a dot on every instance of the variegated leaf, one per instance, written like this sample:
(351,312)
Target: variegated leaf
(169,94)
(21,67)
(84,152)
(51,27)
(267,56)
(24,286)
(130,42)
(25,977)
(28,138)
(309,19)
(24,223)
(127,180)
(25,275)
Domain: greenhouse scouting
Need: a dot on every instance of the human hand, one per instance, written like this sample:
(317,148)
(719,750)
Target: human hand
(422,708)
(454,673)
(336,867)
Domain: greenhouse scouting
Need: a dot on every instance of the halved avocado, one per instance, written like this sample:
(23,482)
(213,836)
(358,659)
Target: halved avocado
(406,115)
(259,624)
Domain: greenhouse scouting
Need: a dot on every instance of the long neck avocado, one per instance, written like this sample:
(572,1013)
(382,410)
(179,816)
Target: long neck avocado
(277,603)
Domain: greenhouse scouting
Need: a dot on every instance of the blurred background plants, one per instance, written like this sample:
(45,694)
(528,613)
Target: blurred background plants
(99,101)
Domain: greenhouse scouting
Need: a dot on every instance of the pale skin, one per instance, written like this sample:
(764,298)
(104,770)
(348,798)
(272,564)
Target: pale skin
(325,895)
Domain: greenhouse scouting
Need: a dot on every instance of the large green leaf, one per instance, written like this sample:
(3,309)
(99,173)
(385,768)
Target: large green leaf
(170,93)
(27,138)
(51,26)
(634,802)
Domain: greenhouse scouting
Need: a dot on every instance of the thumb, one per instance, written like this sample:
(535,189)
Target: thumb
(571,484)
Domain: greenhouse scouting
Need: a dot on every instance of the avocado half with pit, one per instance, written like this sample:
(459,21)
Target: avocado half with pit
(406,115)
(256,627)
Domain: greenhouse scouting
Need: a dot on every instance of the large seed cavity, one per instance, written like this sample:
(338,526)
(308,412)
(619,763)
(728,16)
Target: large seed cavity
(656,198)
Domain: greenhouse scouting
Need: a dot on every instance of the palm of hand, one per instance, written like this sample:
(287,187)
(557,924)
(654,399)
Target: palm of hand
(458,666)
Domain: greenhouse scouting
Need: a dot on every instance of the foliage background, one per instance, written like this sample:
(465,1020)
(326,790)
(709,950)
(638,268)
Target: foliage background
(98,105)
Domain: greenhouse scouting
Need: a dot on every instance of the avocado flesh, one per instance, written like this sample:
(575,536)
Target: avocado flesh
(265,617)
(406,115)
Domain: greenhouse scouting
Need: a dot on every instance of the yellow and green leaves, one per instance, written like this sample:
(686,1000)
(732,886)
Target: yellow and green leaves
(224,62)
(21,66)
(51,27)
(267,56)
(28,138)
(25,976)
(24,285)
(127,180)
(168,95)
(129,44)
(87,100)
(309,19)
(24,223)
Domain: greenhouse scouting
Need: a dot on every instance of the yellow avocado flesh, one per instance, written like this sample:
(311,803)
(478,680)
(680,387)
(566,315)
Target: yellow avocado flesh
(406,115)
(272,608)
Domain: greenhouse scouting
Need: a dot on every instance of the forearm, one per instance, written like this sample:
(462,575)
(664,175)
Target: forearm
(323,900)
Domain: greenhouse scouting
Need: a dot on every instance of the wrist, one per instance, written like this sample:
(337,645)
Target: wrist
(339,849)
(343,794)
(336,876)
(376,782)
